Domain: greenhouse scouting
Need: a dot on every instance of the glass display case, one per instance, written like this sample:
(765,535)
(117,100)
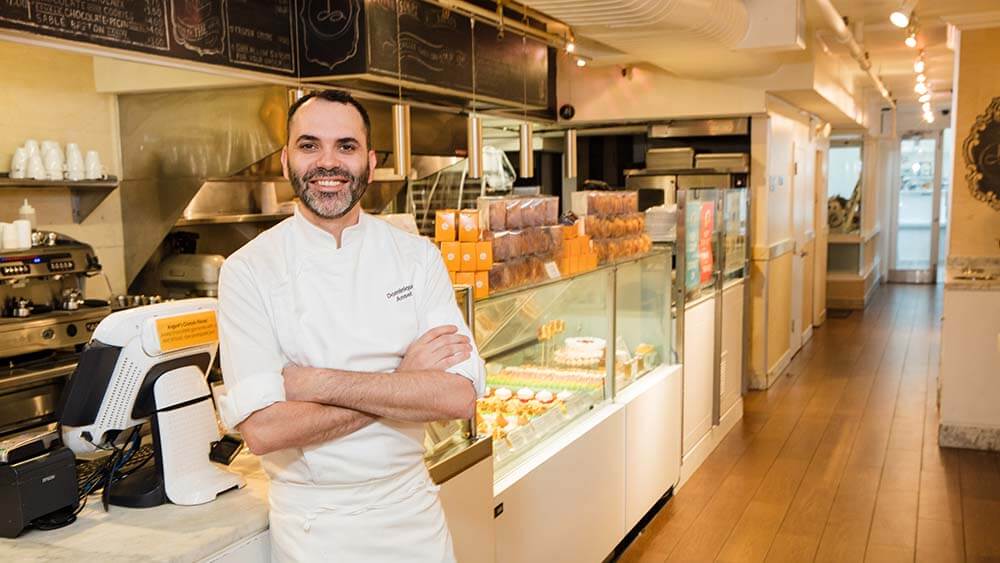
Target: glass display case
(643,320)
(551,349)
(736,210)
(702,235)
(544,348)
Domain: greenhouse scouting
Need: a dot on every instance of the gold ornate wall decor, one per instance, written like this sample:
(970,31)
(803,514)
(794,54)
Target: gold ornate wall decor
(982,156)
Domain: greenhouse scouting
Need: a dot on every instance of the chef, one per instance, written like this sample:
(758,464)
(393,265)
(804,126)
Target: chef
(340,337)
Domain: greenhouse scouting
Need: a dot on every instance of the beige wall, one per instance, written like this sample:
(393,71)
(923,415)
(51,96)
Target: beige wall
(50,94)
(975,226)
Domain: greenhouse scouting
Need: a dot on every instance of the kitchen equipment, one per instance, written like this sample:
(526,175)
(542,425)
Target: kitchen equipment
(723,162)
(191,275)
(148,365)
(43,318)
(670,159)
(34,488)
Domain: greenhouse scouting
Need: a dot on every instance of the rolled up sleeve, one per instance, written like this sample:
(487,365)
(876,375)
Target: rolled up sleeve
(249,351)
(440,308)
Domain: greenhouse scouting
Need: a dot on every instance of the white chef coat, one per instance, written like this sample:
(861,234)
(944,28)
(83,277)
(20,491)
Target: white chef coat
(292,296)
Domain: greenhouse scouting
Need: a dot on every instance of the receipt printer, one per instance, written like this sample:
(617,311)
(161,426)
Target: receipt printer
(35,486)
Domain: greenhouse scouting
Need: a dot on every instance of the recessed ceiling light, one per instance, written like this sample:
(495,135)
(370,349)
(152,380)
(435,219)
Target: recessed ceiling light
(929,117)
(920,88)
(919,66)
(921,77)
(924,97)
(911,40)
(570,47)
(581,62)
(926,107)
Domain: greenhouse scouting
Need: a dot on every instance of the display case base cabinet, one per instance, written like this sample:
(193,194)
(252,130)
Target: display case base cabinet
(699,372)
(652,440)
(571,506)
(731,386)
(467,499)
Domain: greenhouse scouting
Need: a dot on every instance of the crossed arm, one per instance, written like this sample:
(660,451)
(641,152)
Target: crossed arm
(325,404)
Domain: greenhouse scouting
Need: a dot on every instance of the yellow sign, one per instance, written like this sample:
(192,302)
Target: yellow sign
(185,331)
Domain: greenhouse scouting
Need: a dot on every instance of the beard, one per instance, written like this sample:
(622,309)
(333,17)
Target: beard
(330,205)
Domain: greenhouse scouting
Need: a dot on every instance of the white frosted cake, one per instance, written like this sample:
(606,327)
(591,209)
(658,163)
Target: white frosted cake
(581,351)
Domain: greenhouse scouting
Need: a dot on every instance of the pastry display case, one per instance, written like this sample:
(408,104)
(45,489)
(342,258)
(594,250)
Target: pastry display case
(736,209)
(552,349)
(643,319)
(544,348)
(702,235)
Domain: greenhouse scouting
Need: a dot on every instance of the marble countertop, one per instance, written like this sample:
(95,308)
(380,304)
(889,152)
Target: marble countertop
(961,268)
(163,533)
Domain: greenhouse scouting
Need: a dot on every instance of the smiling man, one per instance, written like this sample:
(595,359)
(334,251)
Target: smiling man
(339,339)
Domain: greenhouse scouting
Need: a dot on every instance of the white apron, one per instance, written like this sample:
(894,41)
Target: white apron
(396,519)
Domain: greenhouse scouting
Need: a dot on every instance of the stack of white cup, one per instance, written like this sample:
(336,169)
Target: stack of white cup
(47,161)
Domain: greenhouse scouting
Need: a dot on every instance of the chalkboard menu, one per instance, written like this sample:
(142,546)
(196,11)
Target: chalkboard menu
(435,43)
(309,39)
(504,61)
(250,34)
(982,156)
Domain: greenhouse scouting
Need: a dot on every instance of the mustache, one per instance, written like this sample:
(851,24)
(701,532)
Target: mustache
(335,172)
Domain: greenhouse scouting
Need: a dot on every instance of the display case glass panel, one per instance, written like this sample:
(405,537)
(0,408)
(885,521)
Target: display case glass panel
(735,233)
(702,233)
(445,436)
(643,325)
(545,352)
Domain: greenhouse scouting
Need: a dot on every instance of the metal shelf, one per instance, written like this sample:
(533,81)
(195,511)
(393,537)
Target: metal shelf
(86,195)
(233,219)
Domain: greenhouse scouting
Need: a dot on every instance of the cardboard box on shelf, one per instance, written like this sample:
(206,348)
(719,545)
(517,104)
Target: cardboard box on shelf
(467,255)
(444,225)
(451,252)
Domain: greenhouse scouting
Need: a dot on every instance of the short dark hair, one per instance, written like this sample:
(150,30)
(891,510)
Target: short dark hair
(336,96)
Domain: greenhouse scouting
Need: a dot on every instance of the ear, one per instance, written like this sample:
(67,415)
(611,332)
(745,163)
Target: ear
(372,163)
(284,162)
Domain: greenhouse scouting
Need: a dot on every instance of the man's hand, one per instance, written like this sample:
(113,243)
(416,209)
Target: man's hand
(438,349)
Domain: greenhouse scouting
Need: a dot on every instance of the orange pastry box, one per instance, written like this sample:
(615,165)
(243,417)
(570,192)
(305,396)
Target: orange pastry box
(465,278)
(481,287)
(569,231)
(444,225)
(467,255)
(468,225)
(452,276)
(451,252)
(484,256)
(574,263)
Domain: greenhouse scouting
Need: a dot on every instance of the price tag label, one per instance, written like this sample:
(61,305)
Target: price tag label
(552,270)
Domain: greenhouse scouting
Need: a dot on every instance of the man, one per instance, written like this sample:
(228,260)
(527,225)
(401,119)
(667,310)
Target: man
(340,337)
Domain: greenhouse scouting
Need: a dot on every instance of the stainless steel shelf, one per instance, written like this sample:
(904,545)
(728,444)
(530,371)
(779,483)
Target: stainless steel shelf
(86,194)
(233,219)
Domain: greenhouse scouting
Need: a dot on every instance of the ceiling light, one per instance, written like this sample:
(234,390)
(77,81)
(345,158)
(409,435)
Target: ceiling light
(581,62)
(926,107)
(901,17)
(911,40)
(924,98)
(919,66)
(570,47)
(921,77)
(929,117)
(920,88)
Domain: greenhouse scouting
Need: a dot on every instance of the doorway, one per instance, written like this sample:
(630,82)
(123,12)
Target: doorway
(916,231)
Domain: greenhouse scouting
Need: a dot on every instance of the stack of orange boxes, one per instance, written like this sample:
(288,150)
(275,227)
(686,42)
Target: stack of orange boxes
(468,258)
(578,252)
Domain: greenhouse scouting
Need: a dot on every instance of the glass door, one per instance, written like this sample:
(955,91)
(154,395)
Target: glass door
(916,214)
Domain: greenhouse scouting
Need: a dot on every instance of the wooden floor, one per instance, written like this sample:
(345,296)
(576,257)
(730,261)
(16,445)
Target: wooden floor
(839,460)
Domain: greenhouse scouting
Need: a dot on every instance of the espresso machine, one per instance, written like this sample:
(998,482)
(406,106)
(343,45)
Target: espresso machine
(45,318)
